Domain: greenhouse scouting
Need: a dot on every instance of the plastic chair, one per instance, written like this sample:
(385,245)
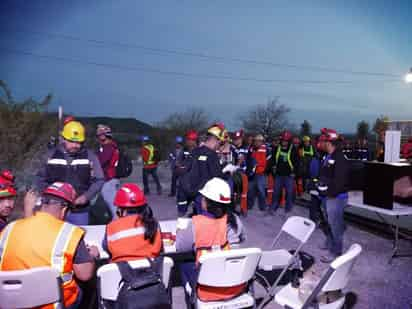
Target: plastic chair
(30,288)
(300,229)
(227,269)
(335,278)
(109,277)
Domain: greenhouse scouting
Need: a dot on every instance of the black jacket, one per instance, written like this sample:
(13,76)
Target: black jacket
(334,172)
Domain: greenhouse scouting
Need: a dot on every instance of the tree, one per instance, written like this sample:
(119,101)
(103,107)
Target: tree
(305,128)
(380,124)
(179,123)
(362,129)
(267,119)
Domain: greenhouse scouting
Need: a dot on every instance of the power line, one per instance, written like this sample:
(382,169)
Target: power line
(179,73)
(210,57)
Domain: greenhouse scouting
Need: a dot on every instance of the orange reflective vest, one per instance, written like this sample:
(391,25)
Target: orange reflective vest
(211,235)
(125,240)
(42,240)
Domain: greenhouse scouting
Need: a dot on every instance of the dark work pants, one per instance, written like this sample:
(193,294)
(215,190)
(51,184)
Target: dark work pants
(173,184)
(153,172)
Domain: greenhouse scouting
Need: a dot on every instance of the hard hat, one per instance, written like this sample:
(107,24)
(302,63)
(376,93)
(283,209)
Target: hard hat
(7,190)
(216,190)
(179,140)
(145,138)
(226,136)
(191,135)
(103,130)
(6,177)
(306,138)
(286,136)
(129,196)
(259,137)
(238,134)
(61,190)
(218,131)
(331,135)
(68,119)
(74,131)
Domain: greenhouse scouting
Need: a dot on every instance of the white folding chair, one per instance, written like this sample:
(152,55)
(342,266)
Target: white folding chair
(335,278)
(227,269)
(109,277)
(30,288)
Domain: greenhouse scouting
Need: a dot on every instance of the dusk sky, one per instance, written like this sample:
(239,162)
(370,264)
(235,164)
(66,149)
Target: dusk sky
(333,63)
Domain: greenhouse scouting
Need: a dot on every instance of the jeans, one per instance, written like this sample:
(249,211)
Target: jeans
(335,210)
(257,188)
(280,183)
(153,172)
(80,217)
(108,192)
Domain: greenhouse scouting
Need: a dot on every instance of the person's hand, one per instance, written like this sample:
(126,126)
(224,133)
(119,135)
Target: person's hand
(93,251)
(29,202)
(81,200)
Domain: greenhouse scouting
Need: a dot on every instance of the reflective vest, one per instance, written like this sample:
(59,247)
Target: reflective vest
(42,240)
(280,152)
(211,235)
(149,162)
(309,153)
(76,172)
(125,240)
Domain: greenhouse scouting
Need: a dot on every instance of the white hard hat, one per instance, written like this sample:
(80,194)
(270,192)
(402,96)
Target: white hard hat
(216,190)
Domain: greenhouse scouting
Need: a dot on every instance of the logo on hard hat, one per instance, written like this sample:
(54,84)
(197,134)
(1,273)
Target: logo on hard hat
(224,199)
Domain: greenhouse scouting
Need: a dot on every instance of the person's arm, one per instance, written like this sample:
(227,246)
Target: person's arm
(97,179)
(83,262)
(41,175)
(185,239)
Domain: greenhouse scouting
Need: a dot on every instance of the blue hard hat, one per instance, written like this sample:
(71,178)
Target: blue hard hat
(179,139)
(145,138)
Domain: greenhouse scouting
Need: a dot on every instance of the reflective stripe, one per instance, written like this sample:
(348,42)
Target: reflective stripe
(202,158)
(127,233)
(80,162)
(62,241)
(151,150)
(4,238)
(309,153)
(182,203)
(57,161)
(279,151)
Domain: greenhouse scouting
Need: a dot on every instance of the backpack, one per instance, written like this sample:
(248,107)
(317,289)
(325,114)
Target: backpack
(124,166)
(141,288)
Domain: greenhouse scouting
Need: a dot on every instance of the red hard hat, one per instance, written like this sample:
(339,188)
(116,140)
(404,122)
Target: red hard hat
(331,135)
(68,119)
(62,190)
(7,190)
(191,135)
(6,177)
(286,136)
(238,134)
(129,196)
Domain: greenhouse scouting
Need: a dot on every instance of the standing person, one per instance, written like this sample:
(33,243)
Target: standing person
(307,153)
(173,155)
(362,150)
(183,165)
(258,183)
(72,163)
(44,239)
(7,197)
(108,155)
(148,153)
(333,187)
(284,162)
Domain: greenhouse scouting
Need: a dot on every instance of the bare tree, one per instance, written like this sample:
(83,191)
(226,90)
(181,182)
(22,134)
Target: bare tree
(179,123)
(305,128)
(362,129)
(267,119)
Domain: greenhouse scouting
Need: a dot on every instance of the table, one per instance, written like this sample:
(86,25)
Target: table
(399,210)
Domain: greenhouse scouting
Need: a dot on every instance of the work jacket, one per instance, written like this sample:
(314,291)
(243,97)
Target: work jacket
(42,240)
(125,240)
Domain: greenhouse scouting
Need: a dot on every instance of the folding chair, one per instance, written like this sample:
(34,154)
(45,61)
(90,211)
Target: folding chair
(227,269)
(30,288)
(300,229)
(335,278)
(109,277)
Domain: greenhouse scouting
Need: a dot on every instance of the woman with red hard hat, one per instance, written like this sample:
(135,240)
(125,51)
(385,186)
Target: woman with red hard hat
(135,234)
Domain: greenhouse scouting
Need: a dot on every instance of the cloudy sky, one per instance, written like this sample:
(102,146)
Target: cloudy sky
(333,63)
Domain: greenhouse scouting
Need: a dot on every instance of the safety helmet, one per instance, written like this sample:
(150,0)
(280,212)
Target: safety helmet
(129,196)
(68,119)
(226,136)
(7,190)
(286,136)
(62,190)
(191,135)
(103,130)
(145,138)
(218,131)
(179,140)
(216,190)
(6,177)
(238,134)
(306,138)
(330,135)
(74,131)
(259,137)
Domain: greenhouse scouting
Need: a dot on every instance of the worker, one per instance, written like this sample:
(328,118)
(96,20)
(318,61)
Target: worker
(108,155)
(333,188)
(149,156)
(347,149)
(7,197)
(72,163)
(362,150)
(226,151)
(307,153)
(205,165)
(183,164)
(207,232)
(44,239)
(257,182)
(135,234)
(173,155)
(283,165)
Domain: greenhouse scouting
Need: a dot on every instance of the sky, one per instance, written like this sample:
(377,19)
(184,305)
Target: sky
(333,63)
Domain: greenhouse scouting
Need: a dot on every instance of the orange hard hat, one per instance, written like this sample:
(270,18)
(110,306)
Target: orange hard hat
(129,196)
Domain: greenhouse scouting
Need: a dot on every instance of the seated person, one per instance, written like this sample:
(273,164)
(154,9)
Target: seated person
(135,234)
(235,229)
(207,232)
(44,238)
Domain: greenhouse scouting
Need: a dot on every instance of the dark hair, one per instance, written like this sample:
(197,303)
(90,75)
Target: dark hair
(149,221)
(218,210)
(231,218)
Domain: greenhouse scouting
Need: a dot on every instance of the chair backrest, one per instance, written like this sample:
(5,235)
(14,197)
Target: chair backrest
(109,276)
(299,228)
(94,234)
(29,288)
(228,268)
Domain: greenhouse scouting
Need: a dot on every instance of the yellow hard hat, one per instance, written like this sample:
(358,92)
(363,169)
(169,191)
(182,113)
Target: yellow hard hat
(74,131)
(218,131)
(306,138)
